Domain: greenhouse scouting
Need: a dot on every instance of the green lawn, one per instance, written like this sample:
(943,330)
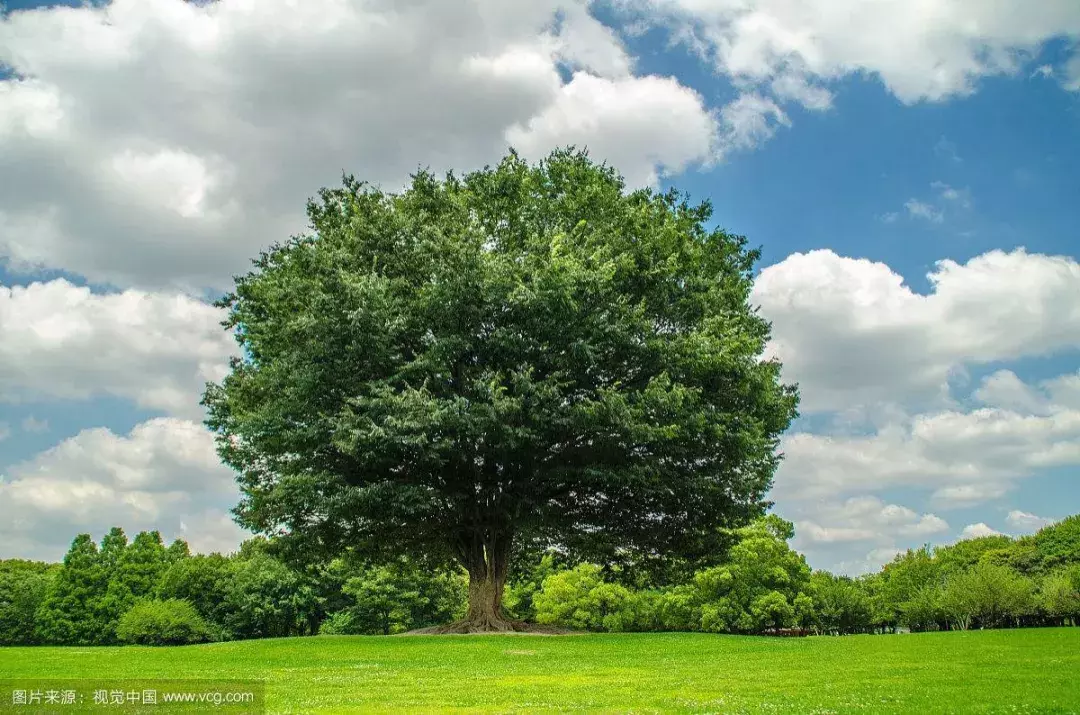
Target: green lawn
(1034,670)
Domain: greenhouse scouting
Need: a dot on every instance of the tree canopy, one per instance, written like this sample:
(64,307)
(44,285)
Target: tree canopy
(527,354)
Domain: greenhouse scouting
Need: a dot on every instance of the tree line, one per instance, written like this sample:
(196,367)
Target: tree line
(142,591)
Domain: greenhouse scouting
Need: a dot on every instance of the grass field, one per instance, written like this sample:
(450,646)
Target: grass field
(1034,670)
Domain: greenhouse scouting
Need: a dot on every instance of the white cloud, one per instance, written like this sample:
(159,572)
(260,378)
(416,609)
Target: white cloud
(649,125)
(920,51)
(888,367)
(5,431)
(1005,390)
(1071,80)
(978,531)
(852,333)
(966,495)
(966,457)
(839,532)
(163,142)
(34,425)
(751,120)
(923,210)
(960,197)
(59,340)
(1025,522)
(163,474)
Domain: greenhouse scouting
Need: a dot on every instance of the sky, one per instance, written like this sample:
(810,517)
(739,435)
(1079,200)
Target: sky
(908,168)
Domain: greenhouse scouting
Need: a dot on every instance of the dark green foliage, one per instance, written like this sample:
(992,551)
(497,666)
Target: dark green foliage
(201,580)
(527,353)
(168,622)
(1056,545)
(134,572)
(759,584)
(401,597)
(264,598)
(23,585)
(72,612)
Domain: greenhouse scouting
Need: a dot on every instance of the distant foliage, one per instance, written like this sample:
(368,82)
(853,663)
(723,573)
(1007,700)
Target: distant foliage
(169,622)
(395,599)
(23,586)
(144,592)
(72,612)
(581,599)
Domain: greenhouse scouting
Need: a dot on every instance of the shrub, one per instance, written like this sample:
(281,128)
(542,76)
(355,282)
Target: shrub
(168,622)
(340,623)
(580,598)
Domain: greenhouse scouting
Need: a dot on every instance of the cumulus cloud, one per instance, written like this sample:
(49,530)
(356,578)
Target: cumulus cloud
(793,51)
(63,341)
(867,517)
(1027,523)
(154,142)
(887,369)
(919,51)
(860,533)
(163,475)
(851,332)
(978,531)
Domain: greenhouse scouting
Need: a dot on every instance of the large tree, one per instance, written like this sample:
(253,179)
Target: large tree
(526,354)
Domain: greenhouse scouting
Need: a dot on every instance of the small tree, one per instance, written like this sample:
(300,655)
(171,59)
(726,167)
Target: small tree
(841,605)
(203,581)
(758,585)
(529,354)
(72,612)
(1059,596)
(580,598)
(23,587)
(994,594)
(134,571)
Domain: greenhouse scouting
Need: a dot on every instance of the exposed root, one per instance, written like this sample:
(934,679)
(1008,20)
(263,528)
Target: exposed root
(490,626)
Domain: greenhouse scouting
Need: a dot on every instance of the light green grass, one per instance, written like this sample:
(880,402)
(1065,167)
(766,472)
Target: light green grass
(1035,670)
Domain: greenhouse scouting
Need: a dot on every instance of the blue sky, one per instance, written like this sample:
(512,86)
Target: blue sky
(152,147)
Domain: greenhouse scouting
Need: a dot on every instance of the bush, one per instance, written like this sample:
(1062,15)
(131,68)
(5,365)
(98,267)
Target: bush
(340,623)
(168,622)
(580,598)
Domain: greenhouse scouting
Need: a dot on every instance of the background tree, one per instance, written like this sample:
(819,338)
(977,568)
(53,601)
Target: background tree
(841,605)
(528,354)
(264,598)
(1059,596)
(134,573)
(761,585)
(23,586)
(400,597)
(201,580)
(72,612)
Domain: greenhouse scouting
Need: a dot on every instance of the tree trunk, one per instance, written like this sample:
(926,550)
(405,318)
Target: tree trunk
(486,556)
